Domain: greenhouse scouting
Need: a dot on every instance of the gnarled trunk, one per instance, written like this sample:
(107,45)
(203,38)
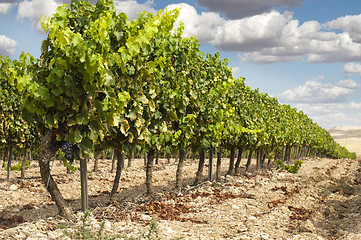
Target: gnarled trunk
(237,168)
(231,162)
(179,177)
(199,175)
(120,163)
(47,152)
(96,162)
(249,160)
(130,158)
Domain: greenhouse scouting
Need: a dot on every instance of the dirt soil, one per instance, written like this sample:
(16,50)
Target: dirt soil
(321,201)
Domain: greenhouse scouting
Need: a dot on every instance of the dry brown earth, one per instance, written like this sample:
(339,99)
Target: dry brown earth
(321,201)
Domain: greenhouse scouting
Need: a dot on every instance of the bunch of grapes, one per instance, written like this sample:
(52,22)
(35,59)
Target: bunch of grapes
(68,150)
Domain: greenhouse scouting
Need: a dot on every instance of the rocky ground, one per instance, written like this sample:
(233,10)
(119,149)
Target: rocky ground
(321,201)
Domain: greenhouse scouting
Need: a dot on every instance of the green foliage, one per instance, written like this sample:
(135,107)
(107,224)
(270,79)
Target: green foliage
(292,169)
(60,155)
(103,81)
(17,167)
(14,130)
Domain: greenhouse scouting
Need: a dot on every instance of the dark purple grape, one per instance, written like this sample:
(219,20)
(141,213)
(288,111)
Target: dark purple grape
(67,149)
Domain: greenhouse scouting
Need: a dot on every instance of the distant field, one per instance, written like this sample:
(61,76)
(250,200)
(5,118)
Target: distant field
(348,136)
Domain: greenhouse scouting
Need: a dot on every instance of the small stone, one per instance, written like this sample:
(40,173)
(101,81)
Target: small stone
(235,207)
(342,232)
(251,218)
(307,226)
(94,224)
(244,237)
(11,231)
(146,217)
(168,231)
(264,236)
(208,183)
(52,235)
(107,226)
(13,187)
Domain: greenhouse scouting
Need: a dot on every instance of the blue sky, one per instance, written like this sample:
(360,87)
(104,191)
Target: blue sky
(305,52)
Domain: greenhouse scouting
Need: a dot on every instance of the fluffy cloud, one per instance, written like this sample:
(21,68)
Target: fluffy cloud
(34,9)
(204,26)
(6,6)
(317,92)
(273,37)
(132,8)
(237,9)
(281,38)
(350,24)
(7,46)
(330,115)
(253,33)
(352,68)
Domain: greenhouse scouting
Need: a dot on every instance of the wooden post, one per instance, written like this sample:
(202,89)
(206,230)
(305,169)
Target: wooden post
(210,166)
(9,163)
(84,184)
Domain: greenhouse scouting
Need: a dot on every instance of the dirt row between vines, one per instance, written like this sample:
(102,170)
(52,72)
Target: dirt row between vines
(319,202)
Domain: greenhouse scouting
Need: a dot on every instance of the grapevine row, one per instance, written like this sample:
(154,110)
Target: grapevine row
(105,82)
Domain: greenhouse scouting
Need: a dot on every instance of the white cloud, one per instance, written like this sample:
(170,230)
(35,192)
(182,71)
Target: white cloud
(237,9)
(317,92)
(132,8)
(348,83)
(204,26)
(34,9)
(290,41)
(335,114)
(235,71)
(5,7)
(253,33)
(352,68)
(350,24)
(7,46)
(270,37)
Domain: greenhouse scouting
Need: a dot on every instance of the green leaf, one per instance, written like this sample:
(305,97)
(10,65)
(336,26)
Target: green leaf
(142,98)
(132,115)
(74,136)
(42,92)
(123,96)
(116,120)
(124,126)
(130,137)
(93,136)
(82,118)
(23,82)
(49,120)
(173,116)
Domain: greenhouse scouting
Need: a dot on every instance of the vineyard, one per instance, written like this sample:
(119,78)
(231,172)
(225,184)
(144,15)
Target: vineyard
(105,87)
